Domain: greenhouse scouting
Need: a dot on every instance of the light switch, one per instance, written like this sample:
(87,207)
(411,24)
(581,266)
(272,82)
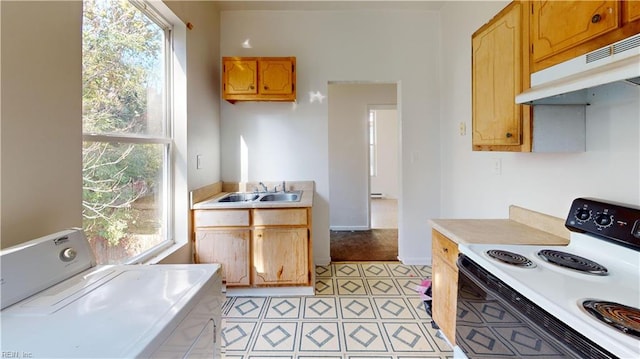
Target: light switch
(198,162)
(497,166)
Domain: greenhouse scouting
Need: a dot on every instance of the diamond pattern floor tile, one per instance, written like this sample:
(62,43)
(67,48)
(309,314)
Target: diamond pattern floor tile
(356,308)
(359,311)
(276,336)
(364,337)
(407,337)
(283,308)
(320,337)
(320,308)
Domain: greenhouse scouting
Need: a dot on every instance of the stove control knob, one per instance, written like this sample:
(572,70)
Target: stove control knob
(583,214)
(68,254)
(603,220)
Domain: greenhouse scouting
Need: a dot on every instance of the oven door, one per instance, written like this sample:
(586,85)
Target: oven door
(496,321)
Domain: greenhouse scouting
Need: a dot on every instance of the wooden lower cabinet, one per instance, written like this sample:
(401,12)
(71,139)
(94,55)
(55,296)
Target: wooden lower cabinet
(280,256)
(228,247)
(256,247)
(444,284)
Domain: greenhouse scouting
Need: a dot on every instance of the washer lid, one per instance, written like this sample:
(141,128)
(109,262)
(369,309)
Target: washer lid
(120,317)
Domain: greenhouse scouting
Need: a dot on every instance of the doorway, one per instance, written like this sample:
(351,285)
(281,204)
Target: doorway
(353,211)
(383,167)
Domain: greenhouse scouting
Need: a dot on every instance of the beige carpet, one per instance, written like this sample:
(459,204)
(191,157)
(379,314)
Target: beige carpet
(384,213)
(370,245)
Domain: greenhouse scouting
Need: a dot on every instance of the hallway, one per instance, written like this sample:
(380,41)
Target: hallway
(380,243)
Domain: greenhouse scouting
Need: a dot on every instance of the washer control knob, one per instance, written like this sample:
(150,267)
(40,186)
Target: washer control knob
(603,220)
(68,254)
(583,214)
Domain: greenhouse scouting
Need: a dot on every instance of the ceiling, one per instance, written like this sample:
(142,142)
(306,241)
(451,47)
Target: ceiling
(323,5)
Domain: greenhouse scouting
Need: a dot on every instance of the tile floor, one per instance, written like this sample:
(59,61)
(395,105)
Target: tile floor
(360,310)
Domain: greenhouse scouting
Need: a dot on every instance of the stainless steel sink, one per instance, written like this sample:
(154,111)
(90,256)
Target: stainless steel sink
(235,197)
(239,197)
(282,197)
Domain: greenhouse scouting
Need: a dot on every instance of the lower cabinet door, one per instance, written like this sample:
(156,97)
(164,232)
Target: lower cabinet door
(230,248)
(445,296)
(280,256)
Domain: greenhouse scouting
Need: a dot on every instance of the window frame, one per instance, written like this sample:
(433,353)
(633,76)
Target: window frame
(372,127)
(160,14)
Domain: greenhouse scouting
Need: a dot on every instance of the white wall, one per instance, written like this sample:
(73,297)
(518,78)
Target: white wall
(203,88)
(41,140)
(609,169)
(349,151)
(201,135)
(290,141)
(386,179)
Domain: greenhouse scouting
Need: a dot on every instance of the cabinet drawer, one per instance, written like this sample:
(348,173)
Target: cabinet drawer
(445,248)
(221,218)
(289,216)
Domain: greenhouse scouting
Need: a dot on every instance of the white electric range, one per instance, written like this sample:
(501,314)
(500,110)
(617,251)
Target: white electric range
(57,303)
(580,300)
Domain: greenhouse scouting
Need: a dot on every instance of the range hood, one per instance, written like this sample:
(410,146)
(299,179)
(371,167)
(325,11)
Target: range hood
(569,82)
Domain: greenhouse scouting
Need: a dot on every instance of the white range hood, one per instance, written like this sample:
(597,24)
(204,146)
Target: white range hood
(569,82)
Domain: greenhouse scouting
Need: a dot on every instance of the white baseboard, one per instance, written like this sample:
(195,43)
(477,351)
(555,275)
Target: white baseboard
(270,291)
(349,228)
(416,261)
(322,261)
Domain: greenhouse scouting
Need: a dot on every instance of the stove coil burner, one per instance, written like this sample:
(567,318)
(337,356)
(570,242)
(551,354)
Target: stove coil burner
(621,317)
(572,261)
(510,258)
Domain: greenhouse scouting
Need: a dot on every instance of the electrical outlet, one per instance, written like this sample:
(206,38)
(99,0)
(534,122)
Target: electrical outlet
(463,128)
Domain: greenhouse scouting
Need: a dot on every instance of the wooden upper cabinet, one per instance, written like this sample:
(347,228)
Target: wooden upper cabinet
(559,25)
(499,72)
(630,11)
(562,30)
(259,79)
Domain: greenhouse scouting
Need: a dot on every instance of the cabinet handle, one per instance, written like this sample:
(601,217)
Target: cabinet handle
(266,87)
(446,250)
(509,135)
(252,87)
(596,18)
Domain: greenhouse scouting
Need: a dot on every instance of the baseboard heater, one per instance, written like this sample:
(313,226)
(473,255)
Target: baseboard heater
(376,195)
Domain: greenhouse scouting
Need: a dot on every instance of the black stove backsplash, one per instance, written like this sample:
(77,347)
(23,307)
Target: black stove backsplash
(607,220)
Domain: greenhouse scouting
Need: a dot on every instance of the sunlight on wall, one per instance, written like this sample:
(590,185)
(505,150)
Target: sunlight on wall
(244,161)
(316,96)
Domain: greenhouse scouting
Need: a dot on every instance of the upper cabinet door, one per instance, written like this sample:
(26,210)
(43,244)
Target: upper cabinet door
(276,76)
(497,77)
(240,77)
(557,26)
(631,11)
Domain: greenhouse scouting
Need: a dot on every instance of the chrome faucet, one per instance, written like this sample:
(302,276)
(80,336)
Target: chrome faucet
(264,187)
(284,188)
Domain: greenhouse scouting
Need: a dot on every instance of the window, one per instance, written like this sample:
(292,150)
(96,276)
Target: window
(373,159)
(127,138)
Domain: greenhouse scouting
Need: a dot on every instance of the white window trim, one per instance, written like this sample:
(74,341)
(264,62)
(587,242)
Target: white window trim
(178,221)
(179,236)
